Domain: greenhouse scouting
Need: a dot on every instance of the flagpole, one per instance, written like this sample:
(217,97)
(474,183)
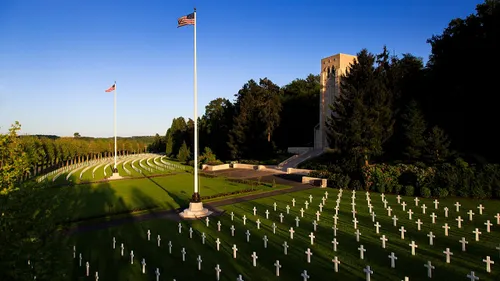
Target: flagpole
(196,195)
(115,170)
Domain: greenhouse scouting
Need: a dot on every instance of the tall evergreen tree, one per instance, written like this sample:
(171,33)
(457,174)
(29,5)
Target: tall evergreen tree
(414,126)
(437,148)
(362,116)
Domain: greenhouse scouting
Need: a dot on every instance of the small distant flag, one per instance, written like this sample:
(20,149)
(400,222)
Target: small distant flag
(186,20)
(111,89)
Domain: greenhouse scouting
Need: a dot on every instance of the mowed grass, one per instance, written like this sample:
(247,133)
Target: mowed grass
(96,247)
(168,192)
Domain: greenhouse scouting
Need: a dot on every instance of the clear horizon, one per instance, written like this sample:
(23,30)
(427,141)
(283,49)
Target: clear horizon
(58,57)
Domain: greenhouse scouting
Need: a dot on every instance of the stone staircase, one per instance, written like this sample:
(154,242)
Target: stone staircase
(295,160)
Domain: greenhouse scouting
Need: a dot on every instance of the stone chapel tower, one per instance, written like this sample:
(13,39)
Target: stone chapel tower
(331,69)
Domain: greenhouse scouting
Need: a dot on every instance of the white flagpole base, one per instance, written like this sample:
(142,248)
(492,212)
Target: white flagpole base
(115,176)
(195,211)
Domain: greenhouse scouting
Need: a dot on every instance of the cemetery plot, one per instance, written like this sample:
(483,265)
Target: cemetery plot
(307,236)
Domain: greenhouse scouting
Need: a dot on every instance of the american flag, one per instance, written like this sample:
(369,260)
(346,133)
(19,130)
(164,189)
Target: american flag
(111,89)
(186,20)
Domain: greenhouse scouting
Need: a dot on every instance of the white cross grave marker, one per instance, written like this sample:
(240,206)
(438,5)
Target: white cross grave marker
(114,244)
(278,266)
(190,232)
(362,251)
(183,252)
(410,213)
(304,275)
(315,225)
(488,225)
(389,211)
(287,209)
(355,222)
(244,220)
(158,239)
(357,235)
(143,266)
(317,215)
(169,247)
(199,260)
(446,228)
(218,226)
(301,212)
(394,220)
(481,208)
(336,263)
(384,239)
(498,218)
(258,223)
(393,260)
(488,262)
(436,203)
(180,228)
(240,278)
(285,248)
(274,228)
(334,227)
(472,276)
(368,272)
(448,254)
(459,221)
(431,238)
(217,272)
(149,235)
(307,205)
(457,205)
(312,238)
(413,247)
(203,236)
(254,211)
(234,250)
(419,224)
(281,217)
(157,272)
(377,227)
(297,221)
(131,257)
(122,248)
(248,235)
(217,242)
(309,254)
(402,230)
(445,212)
(470,213)
(430,267)
(416,201)
(477,232)
(232,216)
(232,230)
(267,214)
(274,206)
(463,242)
(293,202)
(335,244)
(403,205)
(254,259)
(265,241)
(423,208)
(207,221)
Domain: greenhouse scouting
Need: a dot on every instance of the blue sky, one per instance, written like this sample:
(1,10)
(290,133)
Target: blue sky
(58,57)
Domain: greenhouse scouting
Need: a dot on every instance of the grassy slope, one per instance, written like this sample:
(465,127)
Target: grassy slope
(168,192)
(97,246)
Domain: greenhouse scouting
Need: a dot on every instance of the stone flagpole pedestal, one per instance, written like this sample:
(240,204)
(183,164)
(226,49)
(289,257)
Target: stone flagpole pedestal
(196,209)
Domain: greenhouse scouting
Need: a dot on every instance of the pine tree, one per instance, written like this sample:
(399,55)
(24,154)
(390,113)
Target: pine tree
(437,148)
(184,153)
(362,118)
(414,126)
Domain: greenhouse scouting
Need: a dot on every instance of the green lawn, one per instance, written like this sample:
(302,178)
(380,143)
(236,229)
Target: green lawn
(166,192)
(96,246)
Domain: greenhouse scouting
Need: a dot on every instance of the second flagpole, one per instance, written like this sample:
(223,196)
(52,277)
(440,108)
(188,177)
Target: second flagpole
(196,196)
(115,170)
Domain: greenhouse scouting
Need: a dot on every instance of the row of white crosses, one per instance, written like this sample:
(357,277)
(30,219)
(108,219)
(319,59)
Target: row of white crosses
(433,216)
(87,264)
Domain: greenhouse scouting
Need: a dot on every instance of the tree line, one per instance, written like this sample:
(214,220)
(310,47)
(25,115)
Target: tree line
(46,153)
(402,109)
